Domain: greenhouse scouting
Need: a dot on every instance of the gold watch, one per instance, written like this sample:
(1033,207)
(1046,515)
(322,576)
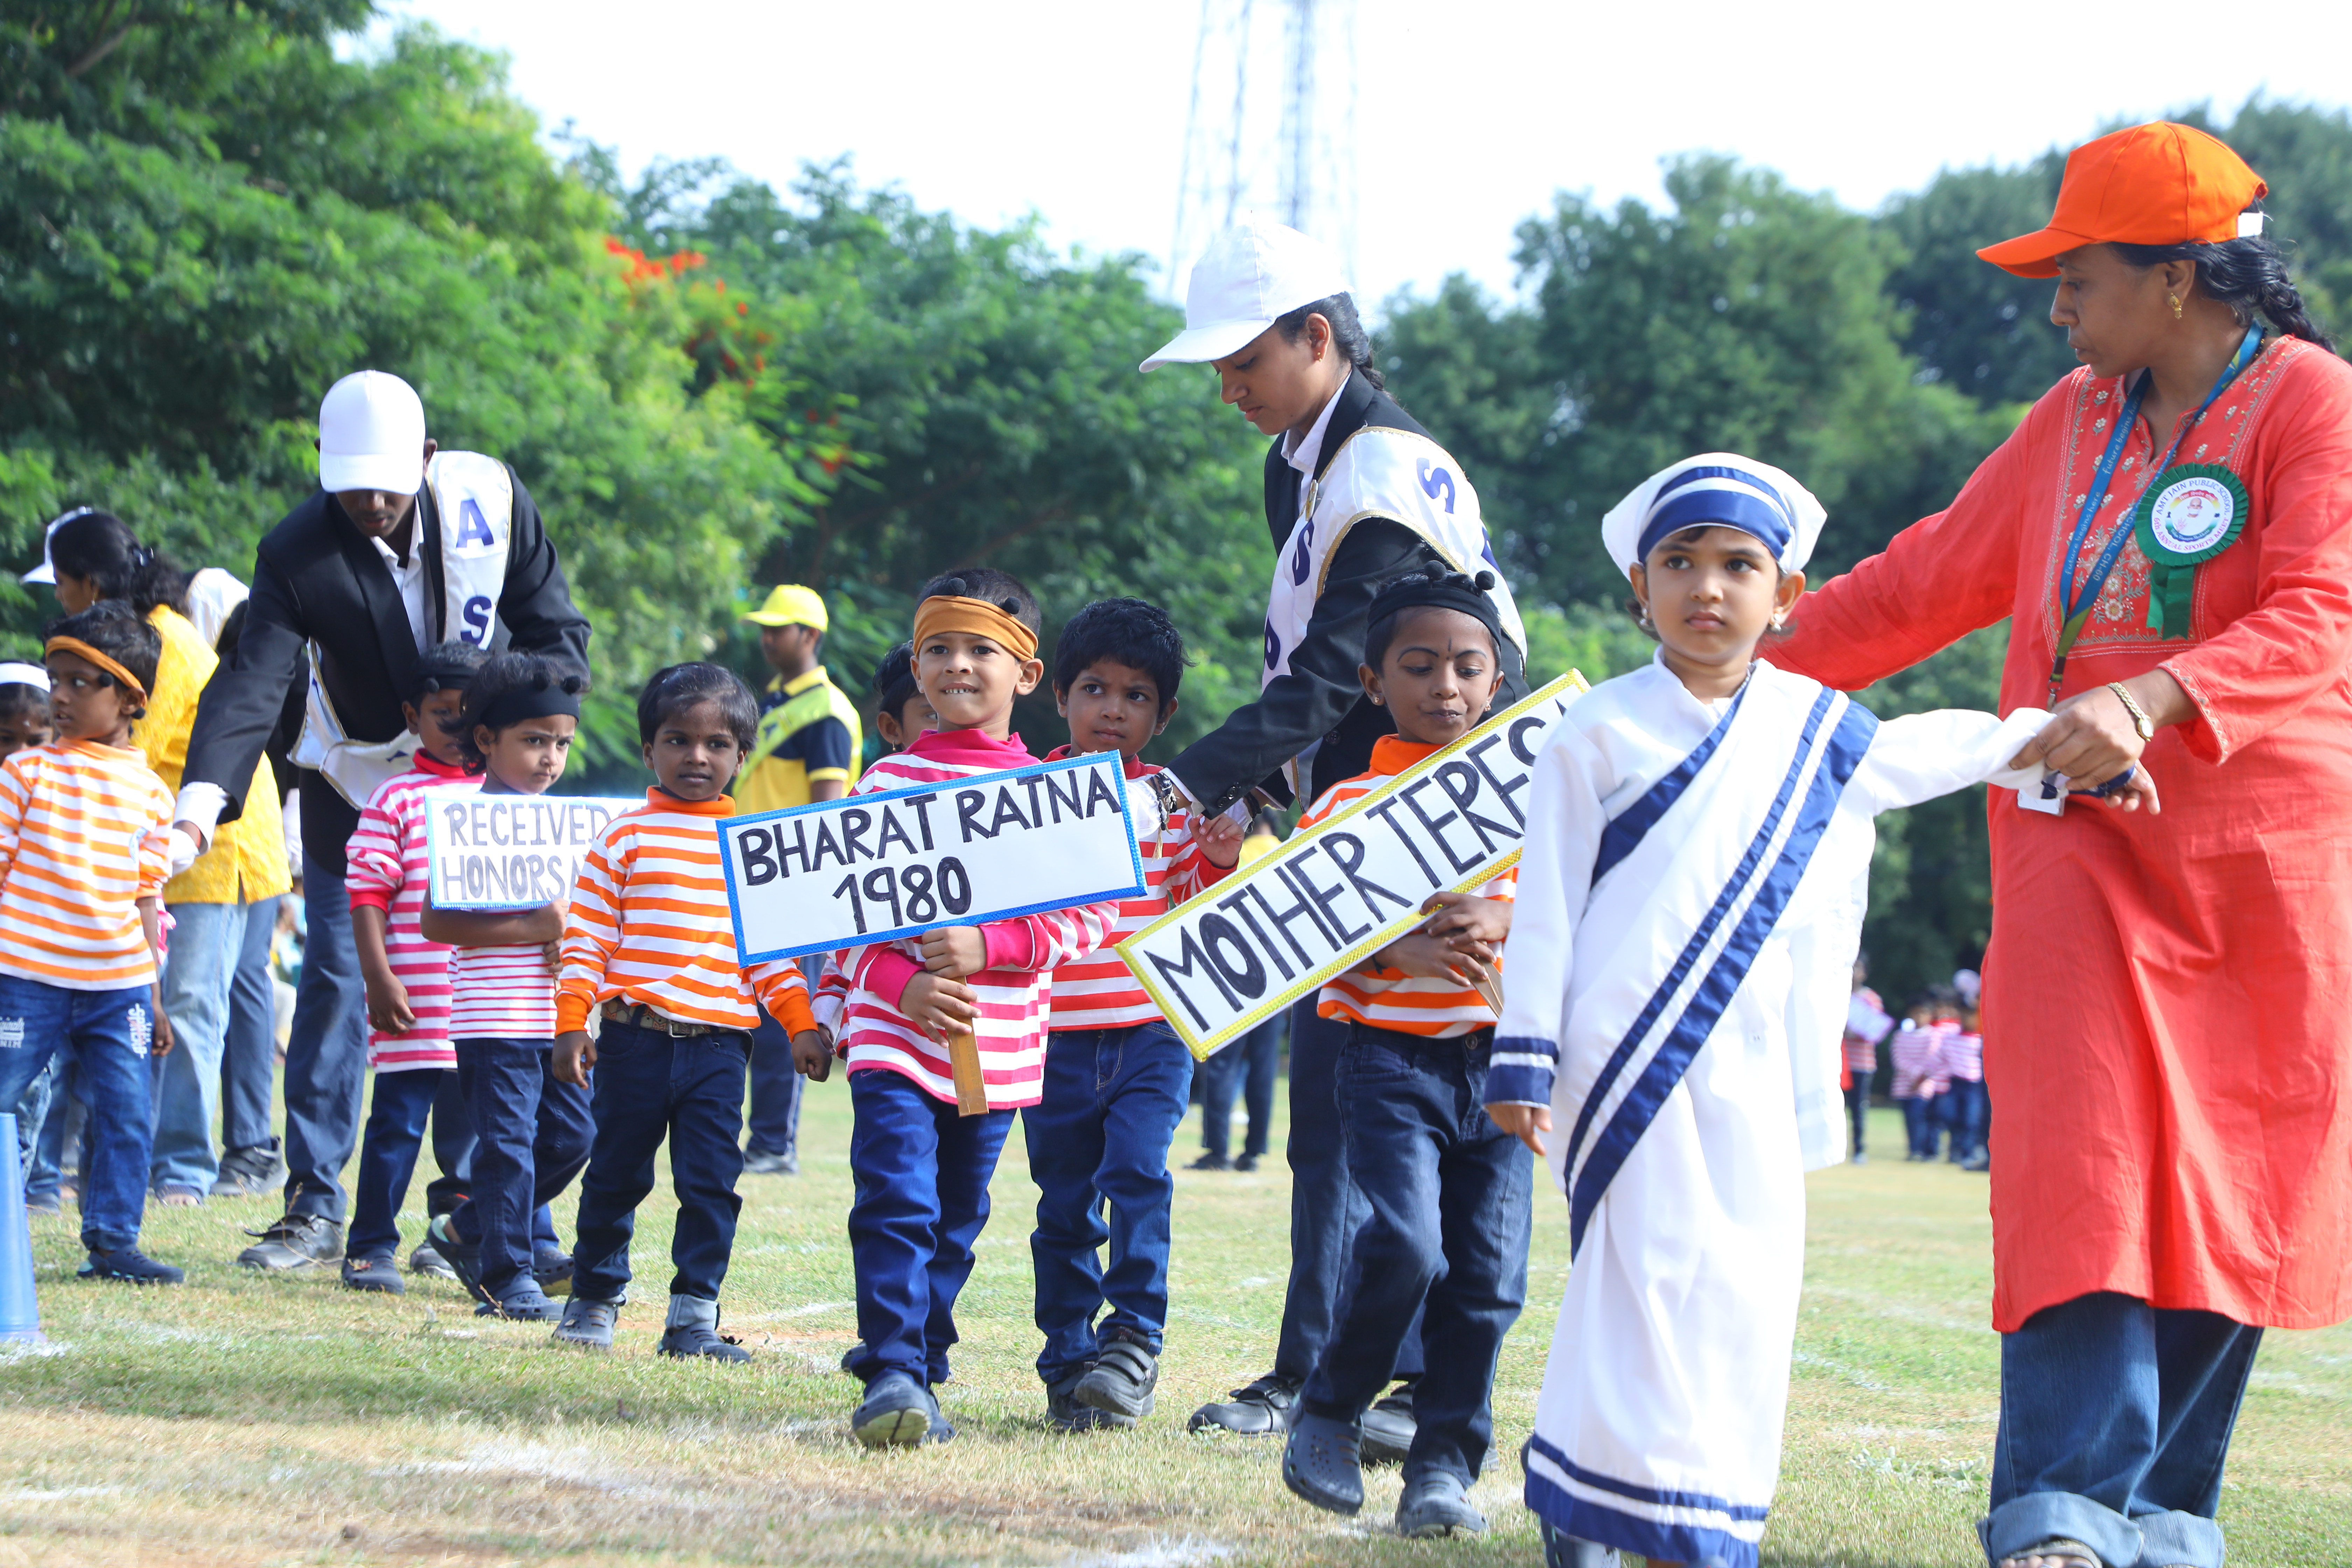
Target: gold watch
(2140,720)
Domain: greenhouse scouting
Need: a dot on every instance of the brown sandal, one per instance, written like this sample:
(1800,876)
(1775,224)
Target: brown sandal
(2064,1552)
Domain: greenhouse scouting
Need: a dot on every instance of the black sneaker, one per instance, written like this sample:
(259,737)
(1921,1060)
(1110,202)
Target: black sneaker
(373,1274)
(1121,1381)
(1388,1427)
(249,1172)
(895,1413)
(1211,1162)
(427,1260)
(692,1329)
(759,1163)
(296,1241)
(463,1261)
(131,1267)
(550,1266)
(1260,1410)
(1246,1162)
(1064,1414)
(526,1303)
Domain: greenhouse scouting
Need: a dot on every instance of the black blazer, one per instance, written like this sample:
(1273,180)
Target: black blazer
(1321,697)
(317,580)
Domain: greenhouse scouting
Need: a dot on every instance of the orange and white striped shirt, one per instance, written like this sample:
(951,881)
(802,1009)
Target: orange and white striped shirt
(1389,998)
(83,840)
(649,923)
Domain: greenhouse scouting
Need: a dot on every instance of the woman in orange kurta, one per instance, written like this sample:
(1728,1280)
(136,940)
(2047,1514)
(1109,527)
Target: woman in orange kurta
(2168,999)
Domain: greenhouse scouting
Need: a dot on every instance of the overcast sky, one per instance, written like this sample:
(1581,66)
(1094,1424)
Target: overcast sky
(1470,114)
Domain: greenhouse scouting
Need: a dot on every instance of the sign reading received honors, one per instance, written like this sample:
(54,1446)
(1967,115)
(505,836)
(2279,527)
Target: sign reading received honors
(893,863)
(510,851)
(1277,929)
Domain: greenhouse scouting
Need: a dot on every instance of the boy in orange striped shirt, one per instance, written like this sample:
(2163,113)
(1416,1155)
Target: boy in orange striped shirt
(83,859)
(649,943)
(1449,1191)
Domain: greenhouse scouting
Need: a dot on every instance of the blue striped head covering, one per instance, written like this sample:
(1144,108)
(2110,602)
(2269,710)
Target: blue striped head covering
(1719,490)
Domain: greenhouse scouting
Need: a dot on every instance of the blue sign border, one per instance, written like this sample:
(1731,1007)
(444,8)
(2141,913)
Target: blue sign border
(1135,889)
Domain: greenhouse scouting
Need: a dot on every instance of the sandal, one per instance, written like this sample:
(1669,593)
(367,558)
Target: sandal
(2056,1552)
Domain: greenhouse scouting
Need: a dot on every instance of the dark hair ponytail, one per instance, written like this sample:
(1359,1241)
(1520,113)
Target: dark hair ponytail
(1348,333)
(100,546)
(2248,275)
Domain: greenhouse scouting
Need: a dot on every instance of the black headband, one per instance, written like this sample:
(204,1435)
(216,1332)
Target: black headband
(518,703)
(1436,589)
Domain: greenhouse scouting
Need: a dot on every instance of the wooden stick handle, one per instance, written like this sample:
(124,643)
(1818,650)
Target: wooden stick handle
(971,1089)
(1493,994)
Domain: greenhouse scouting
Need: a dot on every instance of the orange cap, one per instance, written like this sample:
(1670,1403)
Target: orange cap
(2153,185)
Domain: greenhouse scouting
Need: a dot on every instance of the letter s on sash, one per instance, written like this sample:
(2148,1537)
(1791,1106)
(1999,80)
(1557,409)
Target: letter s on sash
(476,615)
(1433,479)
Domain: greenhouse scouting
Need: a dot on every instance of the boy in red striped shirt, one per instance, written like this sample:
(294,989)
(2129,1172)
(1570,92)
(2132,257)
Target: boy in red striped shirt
(922,1169)
(1117,1077)
(649,943)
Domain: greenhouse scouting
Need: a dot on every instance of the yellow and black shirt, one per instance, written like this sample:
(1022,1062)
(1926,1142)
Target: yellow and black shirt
(808,733)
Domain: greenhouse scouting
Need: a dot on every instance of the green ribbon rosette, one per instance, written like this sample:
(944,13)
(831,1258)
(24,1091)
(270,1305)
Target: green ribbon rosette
(2189,515)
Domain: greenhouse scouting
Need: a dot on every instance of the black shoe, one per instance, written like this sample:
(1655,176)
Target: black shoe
(1436,1504)
(942,1429)
(131,1267)
(1320,1463)
(373,1274)
(1121,1381)
(463,1261)
(760,1163)
(427,1260)
(550,1266)
(693,1331)
(1260,1410)
(296,1241)
(1246,1163)
(1388,1427)
(1564,1551)
(895,1413)
(1065,1414)
(525,1303)
(247,1173)
(1211,1162)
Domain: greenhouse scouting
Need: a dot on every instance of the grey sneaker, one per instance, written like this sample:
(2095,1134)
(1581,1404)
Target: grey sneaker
(1320,1463)
(1122,1378)
(550,1266)
(249,1172)
(763,1163)
(1065,1414)
(296,1241)
(587,1325)
(693,1331)
(895,1413)
(1435,1503)
(526,1303)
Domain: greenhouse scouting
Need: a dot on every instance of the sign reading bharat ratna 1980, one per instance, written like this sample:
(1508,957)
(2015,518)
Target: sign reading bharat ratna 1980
(868,868)
(1280,927)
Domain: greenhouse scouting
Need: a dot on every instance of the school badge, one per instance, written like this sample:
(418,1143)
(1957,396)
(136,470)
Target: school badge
(2189,515)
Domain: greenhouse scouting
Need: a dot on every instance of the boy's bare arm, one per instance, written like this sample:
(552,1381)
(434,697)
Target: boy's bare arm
(388,1008)
(151,921)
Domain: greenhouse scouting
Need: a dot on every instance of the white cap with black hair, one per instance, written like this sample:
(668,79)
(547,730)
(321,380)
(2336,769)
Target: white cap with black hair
(46,572)
(1250,277)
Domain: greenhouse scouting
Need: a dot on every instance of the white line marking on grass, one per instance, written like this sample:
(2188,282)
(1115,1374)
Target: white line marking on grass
(1187,1552)
(53,1494)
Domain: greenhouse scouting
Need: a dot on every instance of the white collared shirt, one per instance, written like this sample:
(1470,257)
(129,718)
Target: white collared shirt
(409,577)
(1303,452)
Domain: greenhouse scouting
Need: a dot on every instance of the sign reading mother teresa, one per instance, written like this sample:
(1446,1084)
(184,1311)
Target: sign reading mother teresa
(893,863)
(1280,927)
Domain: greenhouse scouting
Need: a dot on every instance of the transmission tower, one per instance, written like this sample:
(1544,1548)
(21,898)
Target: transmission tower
(1271,125)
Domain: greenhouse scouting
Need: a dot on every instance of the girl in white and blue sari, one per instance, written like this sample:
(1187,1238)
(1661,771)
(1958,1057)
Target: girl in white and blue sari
(1690,903)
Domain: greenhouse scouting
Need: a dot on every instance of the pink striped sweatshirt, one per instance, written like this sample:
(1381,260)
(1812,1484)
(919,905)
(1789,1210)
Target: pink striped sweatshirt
(388,869)
(1097,990)
(1014,991)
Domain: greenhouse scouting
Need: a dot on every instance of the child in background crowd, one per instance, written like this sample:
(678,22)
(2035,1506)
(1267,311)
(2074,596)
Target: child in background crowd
(649,943)
(1911,1085)
(901,712)
(24,724)
(83,859)
(1941,1008)
(1866,1025)
(1449,1190)
(530,1127)
(1117,1077)
(407,977)
(922,1170)
(1962,1062)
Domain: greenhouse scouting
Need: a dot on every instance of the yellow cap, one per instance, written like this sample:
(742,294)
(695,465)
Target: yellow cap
(790,606)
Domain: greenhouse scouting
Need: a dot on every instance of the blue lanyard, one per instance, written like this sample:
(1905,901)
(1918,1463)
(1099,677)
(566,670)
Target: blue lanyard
(2076,606)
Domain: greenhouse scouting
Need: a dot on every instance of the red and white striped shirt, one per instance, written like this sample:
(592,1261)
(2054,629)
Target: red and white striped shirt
(1013,993)
(649,923)
(1861,1055)
(1389,998)
(1914,1053)
(501,993)
(1961,1056)
(388,870)
(1098,991)
(83,840)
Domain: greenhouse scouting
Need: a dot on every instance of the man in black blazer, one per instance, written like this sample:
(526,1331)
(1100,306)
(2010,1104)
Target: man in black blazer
(364,576)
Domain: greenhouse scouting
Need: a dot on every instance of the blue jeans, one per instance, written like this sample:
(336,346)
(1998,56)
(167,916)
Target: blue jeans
(2114,1421)
(1113,1100)
(1921,1124)
(198,975)
(530,1137)
(774,1123)
(650,1087)
(53,1113)
(111,1032)
(396,1131)
(326,1051)
(1246,1065)
(249,1054)
(1450,1201)
(922,1177)
(1326,1210)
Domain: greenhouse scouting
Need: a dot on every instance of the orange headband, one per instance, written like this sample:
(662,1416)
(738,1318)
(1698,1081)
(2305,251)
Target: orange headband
(954,612)
(75,646)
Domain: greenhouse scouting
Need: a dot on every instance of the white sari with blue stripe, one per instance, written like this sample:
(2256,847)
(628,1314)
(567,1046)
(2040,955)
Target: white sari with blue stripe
(1690,903)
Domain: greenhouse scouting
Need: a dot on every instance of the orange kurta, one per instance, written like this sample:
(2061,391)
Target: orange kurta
(2167,1001)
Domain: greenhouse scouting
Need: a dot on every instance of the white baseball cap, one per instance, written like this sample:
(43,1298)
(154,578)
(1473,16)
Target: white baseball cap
(46,572)
(371,435)
(1250,275)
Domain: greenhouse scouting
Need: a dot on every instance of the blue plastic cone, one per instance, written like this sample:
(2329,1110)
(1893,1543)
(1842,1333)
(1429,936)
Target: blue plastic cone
(20,1309)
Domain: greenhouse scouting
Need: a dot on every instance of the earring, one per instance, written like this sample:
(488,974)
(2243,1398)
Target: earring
(1645,614)
(2175,306)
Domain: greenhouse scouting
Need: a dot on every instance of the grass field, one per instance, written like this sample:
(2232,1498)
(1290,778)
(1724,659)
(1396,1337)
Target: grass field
(245,1419)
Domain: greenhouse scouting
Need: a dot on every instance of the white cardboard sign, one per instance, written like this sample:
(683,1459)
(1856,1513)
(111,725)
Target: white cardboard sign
(1277,929)
(510,851)
(893,863)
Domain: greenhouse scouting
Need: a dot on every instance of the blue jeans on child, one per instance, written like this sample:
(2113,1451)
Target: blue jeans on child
(1450,1196)
(249,1052)
(397,1113)
(530,1137)
(112,1032)
(1245,1066)
(650,1087)
(1964,1115)
(1920,1125)
(1098,1139)
(922,1174)
(2114,1422)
